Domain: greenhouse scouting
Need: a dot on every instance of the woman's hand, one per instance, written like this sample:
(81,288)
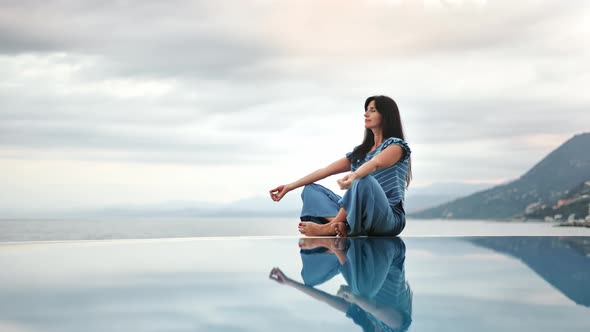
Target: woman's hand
(277,275)
(346,182)
(277,193)
(346,293)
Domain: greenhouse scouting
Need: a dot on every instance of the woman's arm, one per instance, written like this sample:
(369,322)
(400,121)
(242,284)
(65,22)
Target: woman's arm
(339,166)
(388,315)
(386,158)
(334,301)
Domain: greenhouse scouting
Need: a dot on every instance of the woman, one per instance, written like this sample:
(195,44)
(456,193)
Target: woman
(380,170)
(376,295)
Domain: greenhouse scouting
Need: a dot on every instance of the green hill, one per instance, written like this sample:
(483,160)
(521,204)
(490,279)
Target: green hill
(548,181)
(576,202)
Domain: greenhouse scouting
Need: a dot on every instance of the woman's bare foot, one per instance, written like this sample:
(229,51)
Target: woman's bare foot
(313,229)
(341,229)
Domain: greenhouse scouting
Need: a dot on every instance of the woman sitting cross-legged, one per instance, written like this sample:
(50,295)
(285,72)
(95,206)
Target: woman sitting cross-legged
(380,171)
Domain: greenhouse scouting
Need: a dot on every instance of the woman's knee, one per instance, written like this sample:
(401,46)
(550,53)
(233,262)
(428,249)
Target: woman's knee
(308,188)
(366,182)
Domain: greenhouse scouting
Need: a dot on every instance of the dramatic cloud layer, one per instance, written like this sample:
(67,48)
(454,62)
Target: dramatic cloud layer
(147,101)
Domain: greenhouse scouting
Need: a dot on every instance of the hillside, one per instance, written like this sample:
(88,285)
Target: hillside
(576,202)
(424,197)
(548,181)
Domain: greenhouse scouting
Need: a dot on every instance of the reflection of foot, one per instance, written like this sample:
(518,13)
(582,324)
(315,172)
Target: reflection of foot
(312,243)
(313,229)
(339,244)
(330,243)
(341,229)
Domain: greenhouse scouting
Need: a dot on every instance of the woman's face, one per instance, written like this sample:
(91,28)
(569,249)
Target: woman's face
(372,117)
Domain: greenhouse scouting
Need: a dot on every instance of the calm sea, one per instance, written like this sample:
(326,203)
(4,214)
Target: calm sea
(16,230)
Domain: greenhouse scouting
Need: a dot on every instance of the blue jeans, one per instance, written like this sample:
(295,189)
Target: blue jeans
(367,208)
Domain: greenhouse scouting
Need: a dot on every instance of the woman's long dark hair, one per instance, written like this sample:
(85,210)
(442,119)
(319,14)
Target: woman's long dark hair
(391,126)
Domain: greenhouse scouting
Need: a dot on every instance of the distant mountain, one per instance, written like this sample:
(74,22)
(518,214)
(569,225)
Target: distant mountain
(263,206)
(257,206)
(420,198)
(549,180)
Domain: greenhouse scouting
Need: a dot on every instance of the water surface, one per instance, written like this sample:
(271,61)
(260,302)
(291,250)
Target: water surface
(155,228)
(222,284)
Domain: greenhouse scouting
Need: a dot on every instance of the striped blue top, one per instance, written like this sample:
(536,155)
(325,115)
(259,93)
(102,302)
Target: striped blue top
(393,178)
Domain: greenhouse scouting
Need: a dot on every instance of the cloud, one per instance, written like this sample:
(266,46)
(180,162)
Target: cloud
(260,82)
(143,39)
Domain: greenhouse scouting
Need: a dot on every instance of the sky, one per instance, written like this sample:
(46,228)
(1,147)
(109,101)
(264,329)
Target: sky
(143,102)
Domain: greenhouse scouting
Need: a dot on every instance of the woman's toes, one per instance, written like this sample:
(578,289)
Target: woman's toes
(341,229)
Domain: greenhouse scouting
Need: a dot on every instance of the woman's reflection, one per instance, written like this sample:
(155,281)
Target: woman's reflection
(377,296)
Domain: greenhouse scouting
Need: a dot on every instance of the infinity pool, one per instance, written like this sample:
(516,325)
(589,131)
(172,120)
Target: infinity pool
(289,284)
